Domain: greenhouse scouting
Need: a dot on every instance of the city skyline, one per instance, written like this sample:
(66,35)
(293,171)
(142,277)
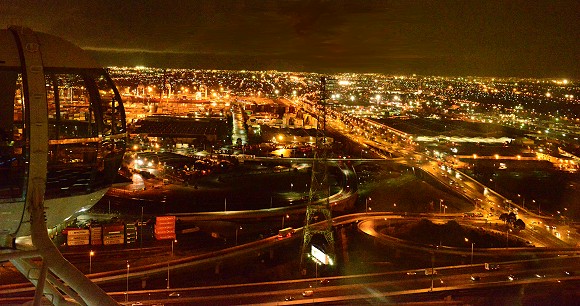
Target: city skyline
(154,185)
(429,38)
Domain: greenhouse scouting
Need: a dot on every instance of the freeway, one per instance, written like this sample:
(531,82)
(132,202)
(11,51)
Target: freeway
(370,224)
(367,132)
(541,230)
(343,287)
(375,287)
(367,222)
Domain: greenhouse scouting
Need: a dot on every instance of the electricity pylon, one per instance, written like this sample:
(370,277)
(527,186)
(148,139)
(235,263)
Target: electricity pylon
(318,213)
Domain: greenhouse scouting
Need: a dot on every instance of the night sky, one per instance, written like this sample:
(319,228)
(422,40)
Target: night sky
(539,38)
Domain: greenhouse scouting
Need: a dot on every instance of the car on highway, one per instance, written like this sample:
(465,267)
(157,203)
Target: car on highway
(307,293)
(289,298)
(174,294)
(475,278)
(489,266)
(411,273)
(324,282)
(430,272)
(511,277)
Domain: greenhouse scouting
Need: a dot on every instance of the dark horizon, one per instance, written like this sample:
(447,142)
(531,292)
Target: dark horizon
(538,39)
(249,63)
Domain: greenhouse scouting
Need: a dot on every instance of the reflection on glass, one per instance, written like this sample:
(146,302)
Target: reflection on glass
(12,139)
(86,131)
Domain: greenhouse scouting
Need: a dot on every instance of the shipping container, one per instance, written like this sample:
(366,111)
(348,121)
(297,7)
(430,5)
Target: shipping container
(130,233)
(165,227)
(78,237)
(96,235)
(111,239)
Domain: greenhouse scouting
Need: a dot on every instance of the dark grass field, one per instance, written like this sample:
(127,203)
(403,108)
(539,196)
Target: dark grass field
(390,190)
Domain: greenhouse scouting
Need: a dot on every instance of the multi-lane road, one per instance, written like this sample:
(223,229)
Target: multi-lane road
(542,231)
(377,287)
(347,287)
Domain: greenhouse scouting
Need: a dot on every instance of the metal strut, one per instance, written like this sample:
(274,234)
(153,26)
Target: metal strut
(54,267)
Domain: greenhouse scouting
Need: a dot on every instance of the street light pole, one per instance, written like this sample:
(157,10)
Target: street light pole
(316,269)
(432,268)
(91,254)
(172,240)
(127,291)
(141,234)
(239,228)
(472,244)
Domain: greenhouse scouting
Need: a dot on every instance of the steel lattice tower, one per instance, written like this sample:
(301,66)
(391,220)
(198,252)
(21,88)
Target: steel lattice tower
(318,208)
